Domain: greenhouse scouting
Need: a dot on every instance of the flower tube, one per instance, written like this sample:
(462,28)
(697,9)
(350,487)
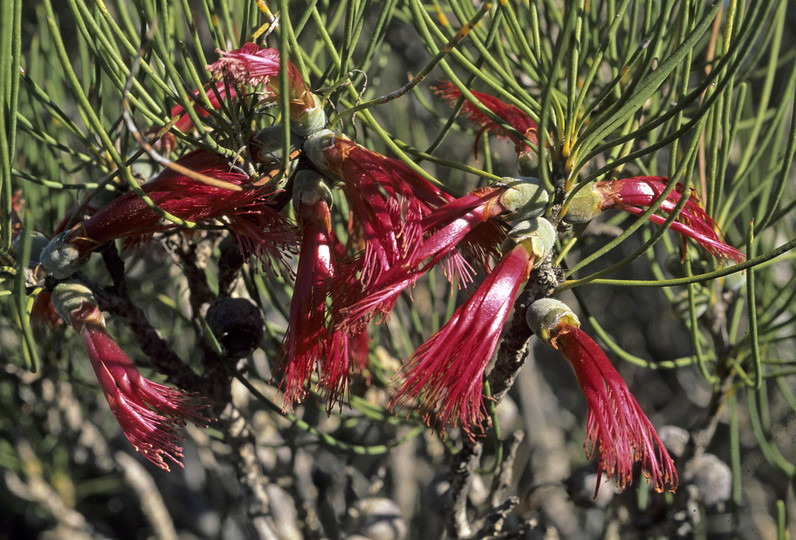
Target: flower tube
(616,428)
(445,374)
(262,233)
(632,194)
(510,114)
(151,415)
(309,345)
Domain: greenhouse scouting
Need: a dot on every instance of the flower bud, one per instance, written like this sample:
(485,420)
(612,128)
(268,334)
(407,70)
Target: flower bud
(525,197)
(547,317)
(309,188)
(68,296)
(314,147)
(60,258)
(528,162)
(537,234)
(37,244)
(307,120)
(584,206)
(266,146)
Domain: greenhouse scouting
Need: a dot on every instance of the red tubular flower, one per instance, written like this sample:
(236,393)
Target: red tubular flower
(260,230)
(466,223)
(387,200)
(151,415)
(254,65)
(221,90)
(445,374)
(616,425)
(631,194)
(510,114)
(310,344)
(454,223)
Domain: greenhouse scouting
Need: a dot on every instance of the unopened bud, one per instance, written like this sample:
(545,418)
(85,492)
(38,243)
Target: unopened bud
(69,296)
(528,163)
(309,187)
(314,146)
(547,317)
(308,120)
(584,206)
(525,197)
(267,146)
(537,234)
(37,244)
(60,258)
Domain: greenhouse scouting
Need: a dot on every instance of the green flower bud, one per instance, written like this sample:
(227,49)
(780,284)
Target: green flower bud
(314,147)
(547,317)
(266,146)
(37,244)
(309,187)
(69,296)
(537,234)
(61,259)
(308,120)
(525,197)
(528,163)
(584,206)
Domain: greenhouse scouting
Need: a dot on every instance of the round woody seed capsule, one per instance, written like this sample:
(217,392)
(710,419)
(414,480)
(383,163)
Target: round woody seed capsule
(237,324)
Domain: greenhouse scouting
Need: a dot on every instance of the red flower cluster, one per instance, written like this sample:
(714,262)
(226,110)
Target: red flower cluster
(632,194)
(399,226)
(510,114)
(445,374)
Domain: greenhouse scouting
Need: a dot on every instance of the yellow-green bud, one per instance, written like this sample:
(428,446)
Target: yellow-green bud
(309,187)
(314,146)
(528,163)
(267,146)
(584,206)
(537,234)
(69,296)
(309,120)
(60,258)
(546,316)
(525,197)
